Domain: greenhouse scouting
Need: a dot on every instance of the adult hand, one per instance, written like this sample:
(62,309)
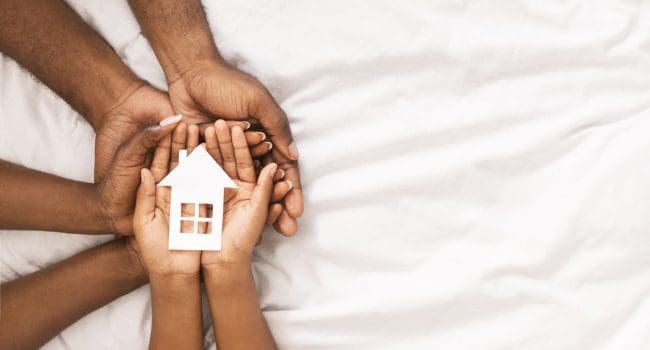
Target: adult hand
(116,192)
(144,105)
(213,89)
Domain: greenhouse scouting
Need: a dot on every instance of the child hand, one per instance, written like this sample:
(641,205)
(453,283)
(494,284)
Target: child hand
(151,220)
(246,209)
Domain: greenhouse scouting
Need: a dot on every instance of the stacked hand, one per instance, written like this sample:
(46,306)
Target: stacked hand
(123,143)
(246,209)
(213,89)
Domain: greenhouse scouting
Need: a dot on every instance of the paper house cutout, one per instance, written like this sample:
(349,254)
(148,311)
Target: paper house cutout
(197,179)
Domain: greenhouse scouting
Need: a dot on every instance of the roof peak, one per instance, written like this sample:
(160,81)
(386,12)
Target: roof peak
(197,169)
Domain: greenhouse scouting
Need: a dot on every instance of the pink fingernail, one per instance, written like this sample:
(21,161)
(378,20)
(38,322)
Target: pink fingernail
(248,125)
(290,184)
(171,120)
(293,151)
(269,144)
(263,135)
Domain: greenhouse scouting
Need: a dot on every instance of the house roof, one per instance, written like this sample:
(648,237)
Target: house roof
(197,170)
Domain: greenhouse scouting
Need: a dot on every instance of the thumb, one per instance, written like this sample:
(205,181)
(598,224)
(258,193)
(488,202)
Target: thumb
(140,144)
(145,201)
(275,123)
(262,192)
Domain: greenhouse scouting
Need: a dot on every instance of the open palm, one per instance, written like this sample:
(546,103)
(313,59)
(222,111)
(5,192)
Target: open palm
(151,221)
(246,207)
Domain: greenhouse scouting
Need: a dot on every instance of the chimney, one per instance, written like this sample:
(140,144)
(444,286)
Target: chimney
(182,154)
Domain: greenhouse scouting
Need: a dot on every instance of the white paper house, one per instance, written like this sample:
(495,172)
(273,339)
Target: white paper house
(197,180)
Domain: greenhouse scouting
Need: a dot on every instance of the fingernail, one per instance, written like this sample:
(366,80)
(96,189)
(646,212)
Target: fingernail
(141,175)
(290,184)
(263,135)
(280,173)
(293,151)
(273,168)
(247,125)
(270,145)
(171,120)
(256,163)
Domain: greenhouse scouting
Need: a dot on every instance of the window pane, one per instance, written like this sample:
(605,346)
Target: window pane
(205,210)
(187,210)
(187,226)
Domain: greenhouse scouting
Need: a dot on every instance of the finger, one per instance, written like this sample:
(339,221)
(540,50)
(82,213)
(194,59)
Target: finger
(212,145)
(192,137)
(280,190)
(259,150)
(274,213)
(160,162)
(293,203)
(136,150)
(286,224)
(243,159)
(179,141)
(279,175)
(225,146)
(203,127)
(145,203)
(254,138)
(275,123)
(262,192)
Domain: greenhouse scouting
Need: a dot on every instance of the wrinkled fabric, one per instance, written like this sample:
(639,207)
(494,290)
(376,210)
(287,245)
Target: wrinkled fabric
(475,174)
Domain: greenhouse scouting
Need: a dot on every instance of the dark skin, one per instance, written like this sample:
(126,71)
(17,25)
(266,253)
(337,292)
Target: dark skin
(55,44)
(68,291)
(203,86)
(174,274)
(58,204)
(72,288)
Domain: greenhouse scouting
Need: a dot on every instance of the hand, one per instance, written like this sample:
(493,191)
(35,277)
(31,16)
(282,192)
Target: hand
(245,208)
(151,222)
(143,106)
(213,89)
(116,192)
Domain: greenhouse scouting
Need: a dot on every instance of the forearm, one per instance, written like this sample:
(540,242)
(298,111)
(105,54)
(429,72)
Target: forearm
(237,319)
(50,40)
(38,201)
(178,32)
(36,307)
(176,313)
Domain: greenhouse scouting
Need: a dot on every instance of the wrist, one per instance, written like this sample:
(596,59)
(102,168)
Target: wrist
(115,95)
(129,261)
(179,52)
(105,221)
(94,212)
(173,284)
(227,278)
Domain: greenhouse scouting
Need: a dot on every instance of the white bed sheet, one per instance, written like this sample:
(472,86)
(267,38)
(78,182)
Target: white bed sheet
(475,174)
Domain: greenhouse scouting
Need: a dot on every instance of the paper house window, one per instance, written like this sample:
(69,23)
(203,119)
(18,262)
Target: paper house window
(197,186)
(195,217)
